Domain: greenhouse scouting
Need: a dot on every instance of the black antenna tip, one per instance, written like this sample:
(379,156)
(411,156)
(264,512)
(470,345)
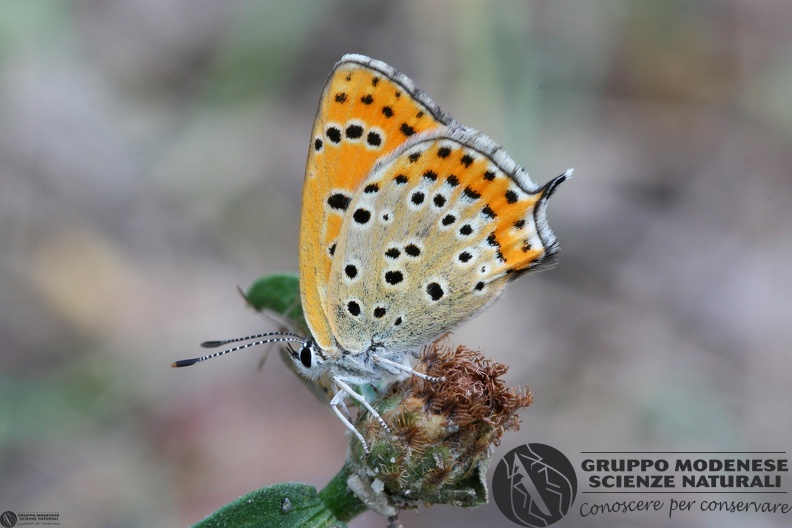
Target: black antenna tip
(185,362)
(213,344)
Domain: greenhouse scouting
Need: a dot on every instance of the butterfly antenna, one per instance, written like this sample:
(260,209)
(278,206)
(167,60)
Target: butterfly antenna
(282,337)
(215,344)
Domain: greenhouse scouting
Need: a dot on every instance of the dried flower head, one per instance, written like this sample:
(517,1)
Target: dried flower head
(442,432)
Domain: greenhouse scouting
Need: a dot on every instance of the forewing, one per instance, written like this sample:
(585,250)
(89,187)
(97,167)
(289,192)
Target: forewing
(367,110)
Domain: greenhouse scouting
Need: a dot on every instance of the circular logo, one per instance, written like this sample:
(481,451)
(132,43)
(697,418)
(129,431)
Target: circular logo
(8,519)
(534,485)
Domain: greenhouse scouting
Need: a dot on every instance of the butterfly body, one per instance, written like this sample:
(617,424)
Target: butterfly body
(411,224)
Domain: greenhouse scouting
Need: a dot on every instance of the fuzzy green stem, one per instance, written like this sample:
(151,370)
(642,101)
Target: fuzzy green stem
(339,499)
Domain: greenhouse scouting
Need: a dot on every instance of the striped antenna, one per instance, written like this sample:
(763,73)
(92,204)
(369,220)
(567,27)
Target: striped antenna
(283,336)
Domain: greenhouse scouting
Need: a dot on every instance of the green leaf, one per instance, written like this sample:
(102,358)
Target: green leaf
(279,293)
(283,505)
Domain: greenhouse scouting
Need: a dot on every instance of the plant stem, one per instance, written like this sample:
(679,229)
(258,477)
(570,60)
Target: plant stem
(339,499)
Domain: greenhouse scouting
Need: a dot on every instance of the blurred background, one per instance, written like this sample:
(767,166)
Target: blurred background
(151,161)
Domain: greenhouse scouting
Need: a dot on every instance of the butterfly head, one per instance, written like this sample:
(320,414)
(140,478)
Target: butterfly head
(308,358)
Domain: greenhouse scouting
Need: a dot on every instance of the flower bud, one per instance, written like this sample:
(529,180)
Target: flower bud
(442,434)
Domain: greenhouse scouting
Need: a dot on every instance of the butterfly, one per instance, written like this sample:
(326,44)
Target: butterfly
(411,224)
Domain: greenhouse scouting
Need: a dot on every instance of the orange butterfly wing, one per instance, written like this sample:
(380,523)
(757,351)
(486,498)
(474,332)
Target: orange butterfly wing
(367,110)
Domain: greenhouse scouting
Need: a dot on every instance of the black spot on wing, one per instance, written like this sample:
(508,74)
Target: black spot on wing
(374,139)
(406,129)
(333,133)
(361,216)
(339,201)
(412,250)
(435,291)
(471,193)
(354,131)
(394,277)
(488,212)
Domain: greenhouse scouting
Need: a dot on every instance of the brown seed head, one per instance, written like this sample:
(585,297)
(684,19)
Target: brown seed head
(443,432)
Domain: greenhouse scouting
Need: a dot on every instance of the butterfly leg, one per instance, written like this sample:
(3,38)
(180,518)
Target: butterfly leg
(338,400)
(344,388)
(405,368)
(341,404)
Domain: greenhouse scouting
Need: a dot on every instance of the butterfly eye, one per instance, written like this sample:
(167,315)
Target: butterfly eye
(305,356)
